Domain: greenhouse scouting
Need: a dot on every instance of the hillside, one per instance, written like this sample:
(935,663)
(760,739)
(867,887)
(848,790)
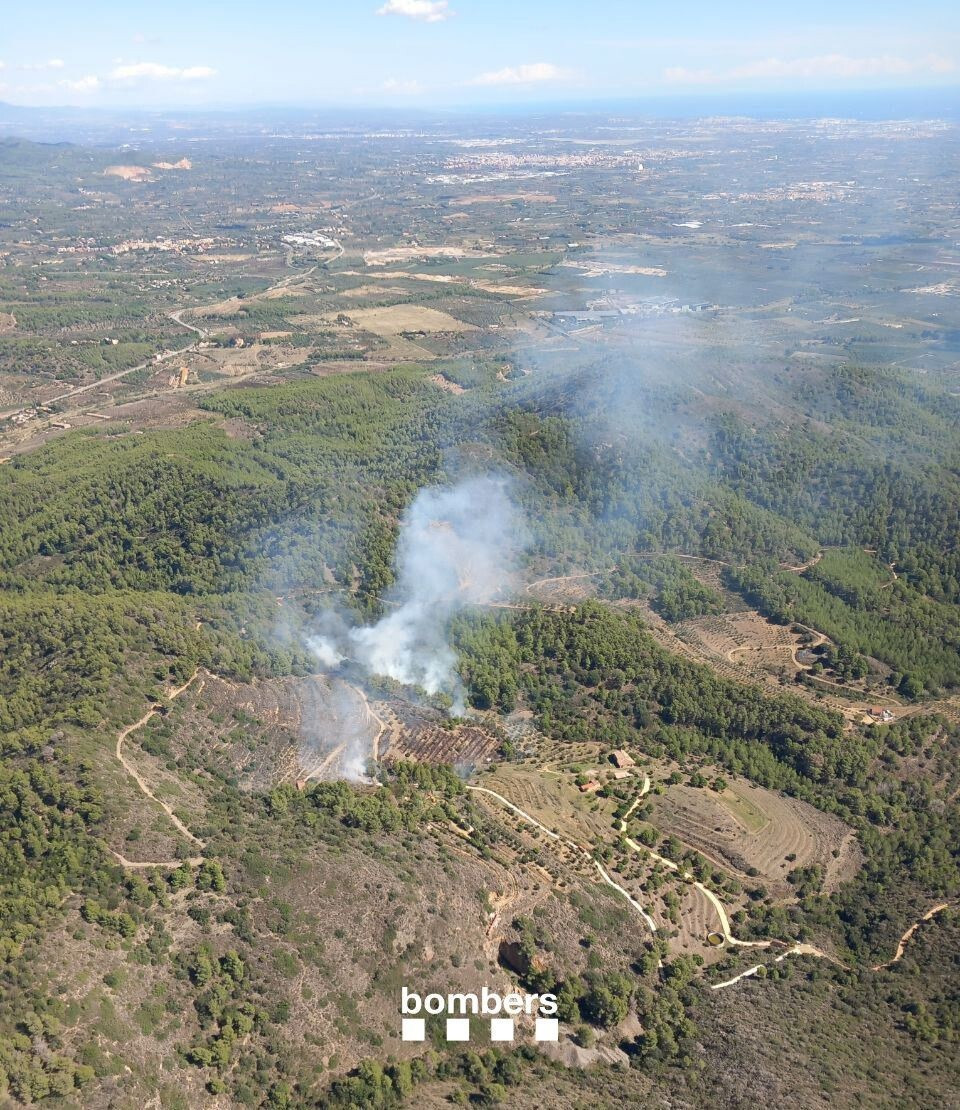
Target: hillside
(378,613)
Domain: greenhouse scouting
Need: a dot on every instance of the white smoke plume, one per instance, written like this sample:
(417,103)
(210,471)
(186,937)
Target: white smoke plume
(456,549)
(327,638)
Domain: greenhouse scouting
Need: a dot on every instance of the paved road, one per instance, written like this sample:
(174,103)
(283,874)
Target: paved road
(152,361)
(176,316)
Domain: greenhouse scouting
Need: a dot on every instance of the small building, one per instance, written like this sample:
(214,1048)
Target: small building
(621,759)
(622,774)
(590,787)
(880,713)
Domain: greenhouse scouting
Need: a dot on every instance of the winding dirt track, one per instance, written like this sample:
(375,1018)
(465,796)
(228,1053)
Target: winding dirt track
(819,641)
(135,775)
(803,566)
(641,850)
(633,555)
(687,877)
(905,939)
(650,923)
(530,586)
(796,950)
(375,743)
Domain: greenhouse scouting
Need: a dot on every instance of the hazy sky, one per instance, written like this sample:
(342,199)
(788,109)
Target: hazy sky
(461,52)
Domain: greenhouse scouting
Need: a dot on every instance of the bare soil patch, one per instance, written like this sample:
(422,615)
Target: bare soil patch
(129,173)
(371,290)
(404,254)
(505,290)
(237,361)
(600,269)
(445,384)
(505,198)
(397,319)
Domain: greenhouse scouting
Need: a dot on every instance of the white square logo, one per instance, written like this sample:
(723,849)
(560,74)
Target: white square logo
(501,1029)
(547,1029)
(412,1029)
(458,1029)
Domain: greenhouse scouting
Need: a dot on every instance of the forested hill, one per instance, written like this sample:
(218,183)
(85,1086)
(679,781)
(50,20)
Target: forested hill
(129,559)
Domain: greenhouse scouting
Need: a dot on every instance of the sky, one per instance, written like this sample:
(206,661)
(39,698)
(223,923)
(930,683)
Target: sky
(462,53)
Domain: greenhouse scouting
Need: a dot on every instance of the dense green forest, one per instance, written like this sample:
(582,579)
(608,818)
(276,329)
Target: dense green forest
(890,620)
(882,474)
(676,594)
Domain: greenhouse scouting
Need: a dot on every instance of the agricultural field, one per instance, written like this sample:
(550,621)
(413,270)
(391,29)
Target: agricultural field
(553,799)
(754,838)
(425,737)
(757,834)
(401,318)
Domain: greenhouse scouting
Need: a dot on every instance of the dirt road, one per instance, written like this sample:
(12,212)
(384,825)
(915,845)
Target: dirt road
(718,906)
(803,566)
(105,380)
(688,877)
(905,939)
(176,316)
(796,950)
(648,920)
(375,743)
(148,865)
(135,774)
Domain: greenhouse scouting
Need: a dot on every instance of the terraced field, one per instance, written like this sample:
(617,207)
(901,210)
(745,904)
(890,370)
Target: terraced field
(748,829)
(554,800)
(748,641)
(688,925)
(281,730)
(698,920)
(408,735)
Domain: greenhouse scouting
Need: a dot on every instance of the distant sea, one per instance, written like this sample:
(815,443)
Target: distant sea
(276,120)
